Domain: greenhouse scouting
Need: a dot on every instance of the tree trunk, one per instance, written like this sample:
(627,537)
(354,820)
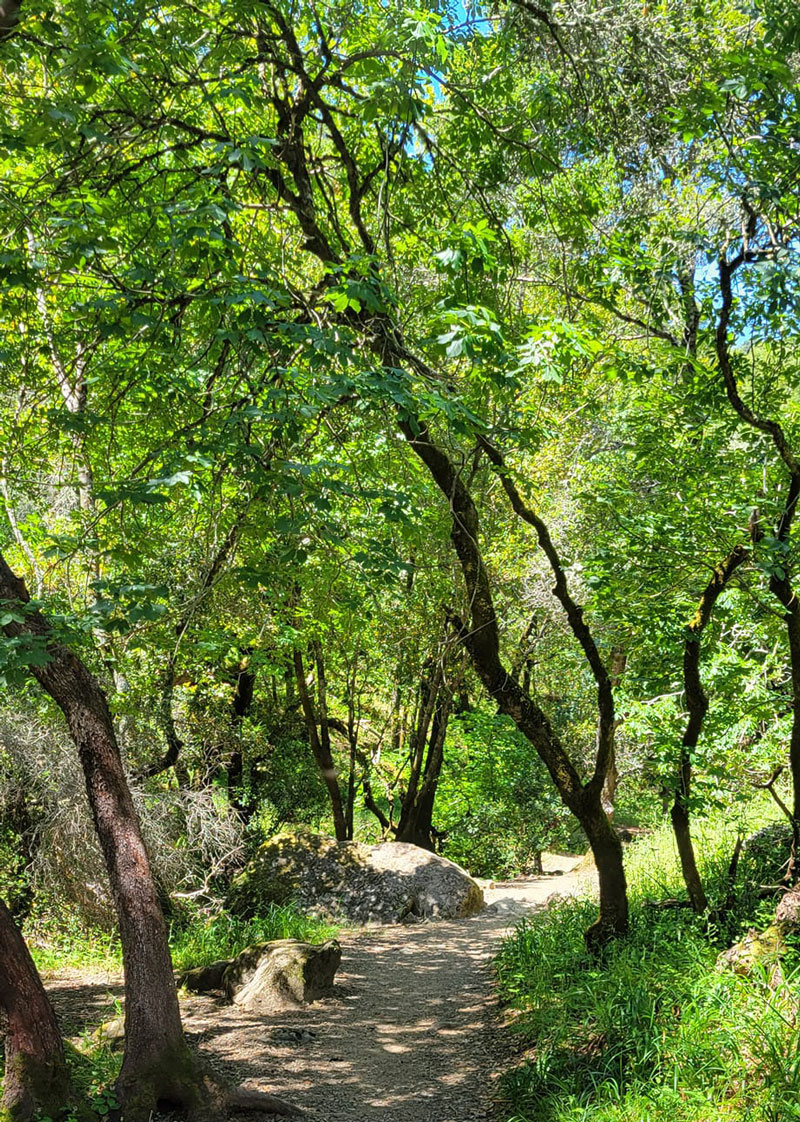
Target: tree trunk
(240,707)
(416,819)
(679,815)
(166,720)
(607,852)
(616,669)
(788,598)
(481,638)
(157,1067)
(321,750)
(352,744)
(697,704)
(36,1077)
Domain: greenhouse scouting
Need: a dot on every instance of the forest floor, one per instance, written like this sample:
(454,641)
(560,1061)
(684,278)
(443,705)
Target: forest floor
(410,1035)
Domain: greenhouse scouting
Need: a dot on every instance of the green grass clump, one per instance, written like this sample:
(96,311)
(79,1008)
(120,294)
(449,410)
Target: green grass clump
(195,940)
(653,1030)
(72,945)
(201,941)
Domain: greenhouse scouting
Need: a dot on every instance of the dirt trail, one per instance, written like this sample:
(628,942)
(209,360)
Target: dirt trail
(407,1036)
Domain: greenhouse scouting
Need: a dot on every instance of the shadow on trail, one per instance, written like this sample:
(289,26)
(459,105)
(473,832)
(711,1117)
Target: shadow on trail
(406,1037)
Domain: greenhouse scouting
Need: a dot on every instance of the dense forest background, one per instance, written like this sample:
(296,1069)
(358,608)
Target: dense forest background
(399,427)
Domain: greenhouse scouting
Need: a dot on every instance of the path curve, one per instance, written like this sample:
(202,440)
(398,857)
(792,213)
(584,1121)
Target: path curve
(407,1036)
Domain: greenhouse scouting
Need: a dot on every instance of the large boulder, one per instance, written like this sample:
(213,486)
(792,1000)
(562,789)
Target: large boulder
(280,974)
(357,883)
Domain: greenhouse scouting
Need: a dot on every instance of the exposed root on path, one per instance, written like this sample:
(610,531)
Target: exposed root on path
(248,1101)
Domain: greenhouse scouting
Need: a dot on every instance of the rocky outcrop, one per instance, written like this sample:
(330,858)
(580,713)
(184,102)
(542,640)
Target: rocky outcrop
(767,854)
(280,974)
(388,883)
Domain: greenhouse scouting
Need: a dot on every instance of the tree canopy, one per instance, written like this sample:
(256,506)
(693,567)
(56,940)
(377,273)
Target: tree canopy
(399,421)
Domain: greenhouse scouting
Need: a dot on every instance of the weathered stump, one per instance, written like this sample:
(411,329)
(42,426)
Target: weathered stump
(280,974)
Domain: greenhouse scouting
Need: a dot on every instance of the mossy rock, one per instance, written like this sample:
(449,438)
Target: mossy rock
(278,974)
(279,871)
(758,949)
(282,974)
(356,883)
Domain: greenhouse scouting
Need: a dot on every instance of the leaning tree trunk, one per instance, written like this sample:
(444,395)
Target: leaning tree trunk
(36,1079)
(157,1067)
(481,637)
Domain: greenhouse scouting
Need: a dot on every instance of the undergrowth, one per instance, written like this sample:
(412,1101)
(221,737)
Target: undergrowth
(654,1030)
(195,940)
(222,936)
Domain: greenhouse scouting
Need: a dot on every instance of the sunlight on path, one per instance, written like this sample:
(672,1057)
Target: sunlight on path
(405,1039)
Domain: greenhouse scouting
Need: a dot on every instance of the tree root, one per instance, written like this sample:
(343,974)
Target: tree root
(244,1100)
(211,1100)
(183,1084)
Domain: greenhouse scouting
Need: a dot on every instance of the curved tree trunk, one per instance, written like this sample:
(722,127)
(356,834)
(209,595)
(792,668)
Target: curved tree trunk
(697,704)
(36,1078)
(481,637)
(157,1066)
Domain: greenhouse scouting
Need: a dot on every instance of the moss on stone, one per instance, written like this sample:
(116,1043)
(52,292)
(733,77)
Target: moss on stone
(275,872)
(353,882)
(756,949)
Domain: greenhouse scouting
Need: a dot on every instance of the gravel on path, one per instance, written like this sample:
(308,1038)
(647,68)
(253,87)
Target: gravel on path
(407,1037)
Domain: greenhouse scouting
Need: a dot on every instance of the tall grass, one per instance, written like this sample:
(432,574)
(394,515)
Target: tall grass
(195,940)
(223,936)
(653,1031)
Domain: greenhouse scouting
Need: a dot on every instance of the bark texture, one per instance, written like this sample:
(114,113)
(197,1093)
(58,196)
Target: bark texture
(157,1066)
(36,1077)
(697,705)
